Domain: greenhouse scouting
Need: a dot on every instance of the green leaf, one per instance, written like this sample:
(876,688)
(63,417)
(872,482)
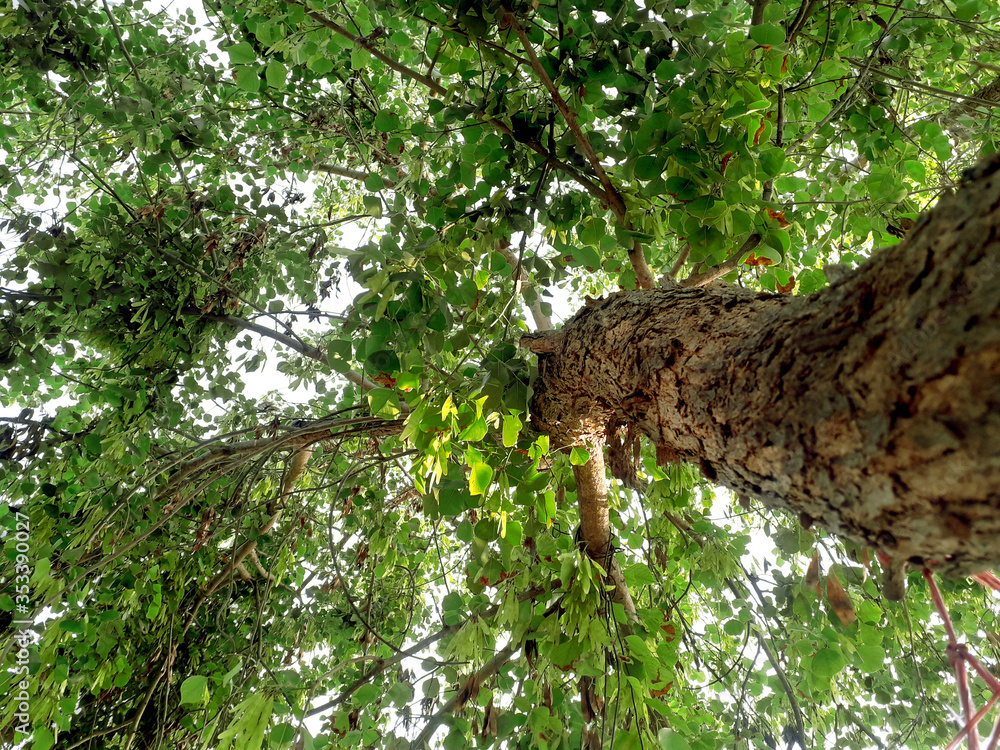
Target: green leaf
(768,34)
(275,74)
(42,737)
(241,54)
(400,694)
(706,207)
(366,694)
(639,575)
(360,58)
(579,456)
(872,657)
(373,205)
(248,79)
(734,627)
(511,429)
(648,167)
(386,122)
(480,477)
(194,689)
(475,431)
(827,662)
(513,533)
(772,160)
(384,403)
(282,734)
(668,739)
(916,171)
(777,239)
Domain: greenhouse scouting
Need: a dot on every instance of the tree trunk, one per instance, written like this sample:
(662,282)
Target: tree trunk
(871,407)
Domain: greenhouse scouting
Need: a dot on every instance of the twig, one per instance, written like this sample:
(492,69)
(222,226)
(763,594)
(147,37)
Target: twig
(383,664)
(524,286)
(292,343)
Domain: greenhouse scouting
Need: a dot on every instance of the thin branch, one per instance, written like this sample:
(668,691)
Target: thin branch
(413,75)
(611,195)
(352,174)
(779,130)
(383,664)
(707,277)
(643,275)
(953,96)
(681,260)
(849,94)
(593,188)
(489,669)
(799,22)
(523,285)
(292,343)
(121,42)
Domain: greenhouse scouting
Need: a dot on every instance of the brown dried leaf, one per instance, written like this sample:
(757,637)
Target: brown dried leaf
(839,600)
(812,574)
(531,652)
(489,721)
(590,740)
(468,692)
(591,704)
(786,288)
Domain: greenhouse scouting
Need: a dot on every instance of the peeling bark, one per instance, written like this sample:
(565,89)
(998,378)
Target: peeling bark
(872,407)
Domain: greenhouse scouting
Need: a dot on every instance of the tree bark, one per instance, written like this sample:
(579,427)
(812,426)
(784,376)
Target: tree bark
(871,407)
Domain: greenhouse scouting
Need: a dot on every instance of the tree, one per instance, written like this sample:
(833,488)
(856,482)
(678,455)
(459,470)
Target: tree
(413,538)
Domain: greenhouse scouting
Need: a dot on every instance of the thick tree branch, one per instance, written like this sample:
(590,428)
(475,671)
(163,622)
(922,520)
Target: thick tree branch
(871,406)
(595,527)
(681,260)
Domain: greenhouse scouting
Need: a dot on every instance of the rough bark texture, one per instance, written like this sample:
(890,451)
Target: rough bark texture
(871,407)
